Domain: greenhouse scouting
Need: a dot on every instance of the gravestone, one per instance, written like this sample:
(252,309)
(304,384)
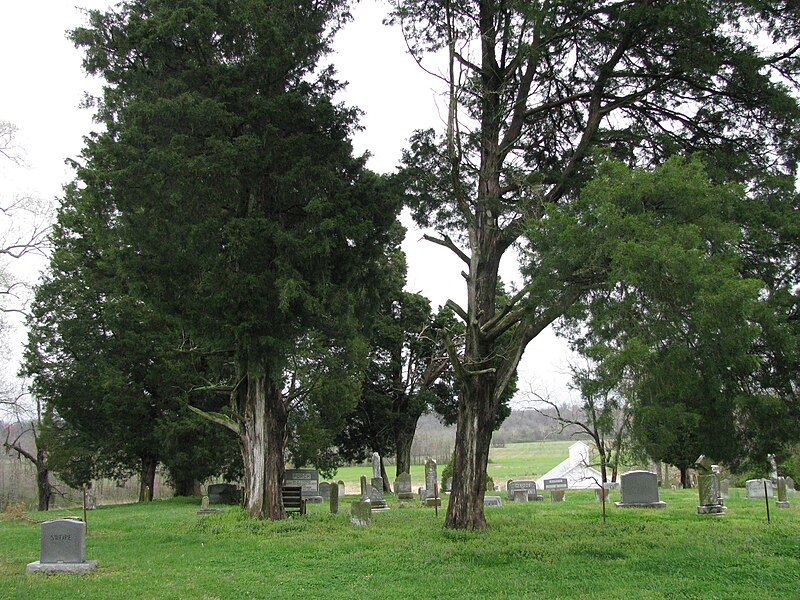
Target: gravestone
(334,498)
(492,501)
(755,488)
(430,477)
(361,510)
(342,490)
(557,488)
(205,510)
(148,495)
(522,484)
(376,496)
(91,500)
(783,500)
(308,482)
(448,485)
(773,471)
(790,485)
(640,490)
(62,548)
(224,493)
(708,488)
(402,487)
(325,490)
(520,496)
(725,489)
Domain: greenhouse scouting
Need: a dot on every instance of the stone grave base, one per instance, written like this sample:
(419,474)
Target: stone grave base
(39,567)
(717,510)
(405,496)
(780,504)
(379,505)
(535,498)
(209,511)
(492,501)
(640,504)
(431,502)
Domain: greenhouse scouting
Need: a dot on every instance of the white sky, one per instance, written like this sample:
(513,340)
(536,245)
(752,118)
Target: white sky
(42,83)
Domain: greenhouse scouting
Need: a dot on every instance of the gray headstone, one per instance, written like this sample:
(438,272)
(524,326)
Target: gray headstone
(334,498)
(307,480)
(223,493)
(708,488)
(640,490)
(342,491)
(448,485)
(361,513)
(365,491)
(205,510)
(376,497)
(557,495)
(783,500)
(556,483)
(773,471)
(325,490)
(430,475)
(204,502)
(376,465)
(62,548)
(755,488)
(520,496)
(492,501)
(402,487)
(521,484)
(725,488)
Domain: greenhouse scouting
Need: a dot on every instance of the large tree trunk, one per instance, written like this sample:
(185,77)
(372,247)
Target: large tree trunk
(387,487)
(43,488)
(403,440)
(476,417)
(685,481)
(263,439)
(147,477)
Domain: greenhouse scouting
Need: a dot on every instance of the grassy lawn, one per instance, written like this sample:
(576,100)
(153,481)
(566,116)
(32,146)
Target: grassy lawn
(164,550)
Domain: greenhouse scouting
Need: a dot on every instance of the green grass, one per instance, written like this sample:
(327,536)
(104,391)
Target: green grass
(534,550)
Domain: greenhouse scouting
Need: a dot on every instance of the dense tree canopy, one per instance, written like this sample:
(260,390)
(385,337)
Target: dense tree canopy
(535,90)
(242,212)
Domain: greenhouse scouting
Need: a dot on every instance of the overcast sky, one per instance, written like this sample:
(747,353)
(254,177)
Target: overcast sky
(41,86)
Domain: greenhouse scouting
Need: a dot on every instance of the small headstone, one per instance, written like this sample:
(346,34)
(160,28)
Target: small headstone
(725,489)
(520,496)
(492,501)
(783,500)
(364,489)
(522,484)
(361,513)
(557,487)
(334,499)
(325,490)
(755,488)
(91,500)
(224,493)
(376,495)
(708,488)
(430,476)
(448,485)
(601,493)
(423,494)
(308,482)
(205,510)
(148,495)
(402,487)
(342,491)
(640,490)
(62,548)
(790,485)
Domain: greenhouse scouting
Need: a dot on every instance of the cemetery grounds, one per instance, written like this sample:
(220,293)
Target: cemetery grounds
(532,550)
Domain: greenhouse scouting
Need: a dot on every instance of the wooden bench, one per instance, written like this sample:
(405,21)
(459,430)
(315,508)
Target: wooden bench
(293,500)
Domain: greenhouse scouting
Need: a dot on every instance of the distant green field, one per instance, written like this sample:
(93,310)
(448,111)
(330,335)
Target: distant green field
(530,459)
(163,551)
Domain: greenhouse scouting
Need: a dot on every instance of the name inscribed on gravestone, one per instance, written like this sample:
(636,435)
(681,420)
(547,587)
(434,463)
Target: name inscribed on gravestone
(558,483)
(306,479)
